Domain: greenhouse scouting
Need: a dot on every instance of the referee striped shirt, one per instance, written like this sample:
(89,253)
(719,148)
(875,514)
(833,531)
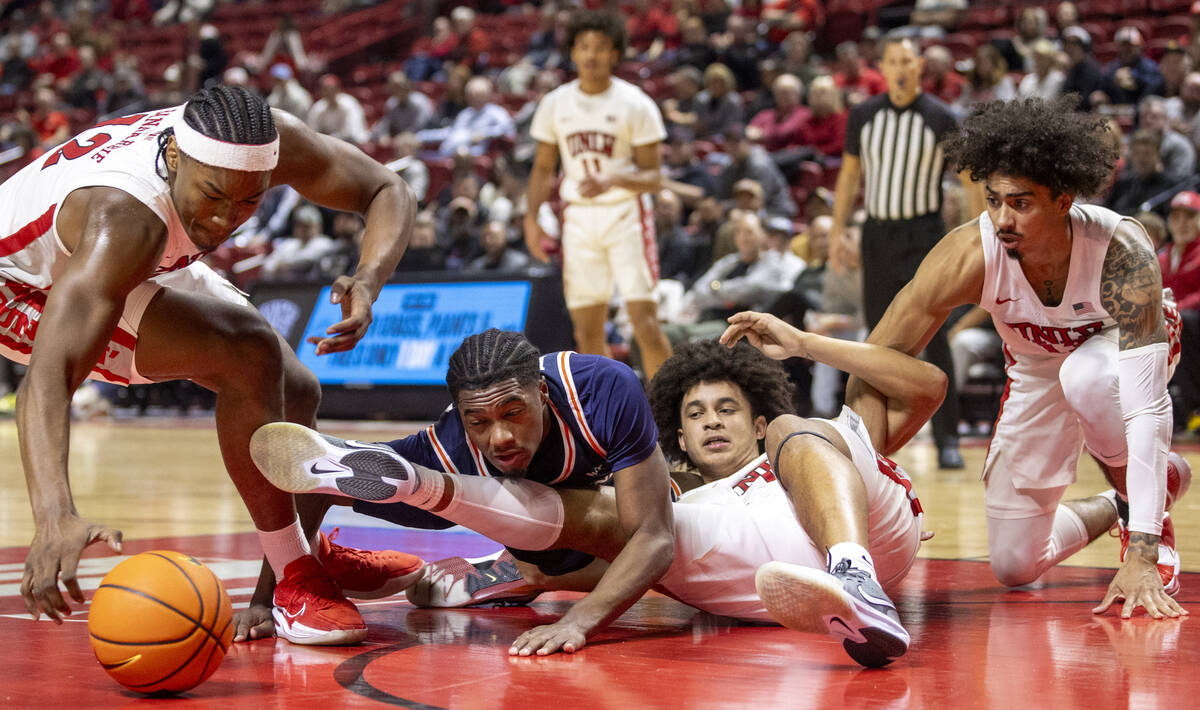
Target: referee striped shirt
(901,158)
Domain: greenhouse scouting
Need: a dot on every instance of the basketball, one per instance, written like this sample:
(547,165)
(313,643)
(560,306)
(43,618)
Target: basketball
(160,622)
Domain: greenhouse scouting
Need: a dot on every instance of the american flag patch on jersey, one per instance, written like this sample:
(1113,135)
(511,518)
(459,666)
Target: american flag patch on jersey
(1083,307)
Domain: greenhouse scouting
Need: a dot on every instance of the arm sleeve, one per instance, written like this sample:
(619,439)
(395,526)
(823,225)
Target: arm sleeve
(1146,408)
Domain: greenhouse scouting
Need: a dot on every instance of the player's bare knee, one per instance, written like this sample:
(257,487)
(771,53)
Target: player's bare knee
(251,351)
(301,392)
(784,425)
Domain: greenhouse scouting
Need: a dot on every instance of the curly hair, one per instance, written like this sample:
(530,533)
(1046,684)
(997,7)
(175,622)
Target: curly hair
(760,378)
(1048,143)
(608,24)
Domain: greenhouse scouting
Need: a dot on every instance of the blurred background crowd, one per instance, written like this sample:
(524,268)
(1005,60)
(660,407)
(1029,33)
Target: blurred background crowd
(755,95)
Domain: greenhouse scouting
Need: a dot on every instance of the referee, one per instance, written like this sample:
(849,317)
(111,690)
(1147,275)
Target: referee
(892,140)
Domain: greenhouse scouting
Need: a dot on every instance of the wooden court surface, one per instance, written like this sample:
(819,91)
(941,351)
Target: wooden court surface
(975,643)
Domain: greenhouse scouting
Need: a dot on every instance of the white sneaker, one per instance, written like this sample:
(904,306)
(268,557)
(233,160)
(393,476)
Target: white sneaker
(297,459)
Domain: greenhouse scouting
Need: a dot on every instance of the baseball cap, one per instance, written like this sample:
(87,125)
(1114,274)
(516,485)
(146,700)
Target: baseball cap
(1077,34)
(779,223)
(1186,200)
(1129,34)
(281,71)
(748,185)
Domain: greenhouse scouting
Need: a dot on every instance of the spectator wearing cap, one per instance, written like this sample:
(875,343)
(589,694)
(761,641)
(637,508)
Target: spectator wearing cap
(750,278)
(405,111)
(750,161)
(1180,264)
(337,113)
(826,130)
(286,93)
(939,78)
(779,235)
(782,127)
(476,126)
(856,80)
(297,256)
(1045,82)
(1083,76)
(1177,154)
(1143,178)
(1132,75)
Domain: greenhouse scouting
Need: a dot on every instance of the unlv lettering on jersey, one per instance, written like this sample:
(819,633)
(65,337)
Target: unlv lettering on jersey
(762,471)
(1056,340)
(592,142)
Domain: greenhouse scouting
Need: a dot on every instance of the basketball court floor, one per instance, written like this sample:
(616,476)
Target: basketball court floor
(975,643)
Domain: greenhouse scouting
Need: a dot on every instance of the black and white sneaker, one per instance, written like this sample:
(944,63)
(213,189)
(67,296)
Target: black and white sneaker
(297,459)
(847,604)
(460,582)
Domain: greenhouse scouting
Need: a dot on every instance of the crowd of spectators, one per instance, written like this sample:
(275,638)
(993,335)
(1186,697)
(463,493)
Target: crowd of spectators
(756,120)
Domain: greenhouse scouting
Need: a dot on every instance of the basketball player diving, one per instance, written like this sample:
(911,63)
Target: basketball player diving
(100,278)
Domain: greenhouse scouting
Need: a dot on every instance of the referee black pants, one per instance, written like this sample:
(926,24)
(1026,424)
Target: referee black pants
(891,252)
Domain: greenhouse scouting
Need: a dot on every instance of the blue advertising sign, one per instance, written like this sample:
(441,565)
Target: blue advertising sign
(416,328)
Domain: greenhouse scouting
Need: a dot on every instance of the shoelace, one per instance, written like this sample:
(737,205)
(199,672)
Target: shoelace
(348,556)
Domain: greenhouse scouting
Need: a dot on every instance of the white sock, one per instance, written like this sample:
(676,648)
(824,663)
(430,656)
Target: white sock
(1111,496)
(516,513)
(857,554)
(283,546)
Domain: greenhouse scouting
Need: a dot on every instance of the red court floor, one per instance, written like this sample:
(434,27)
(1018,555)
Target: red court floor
(975,645)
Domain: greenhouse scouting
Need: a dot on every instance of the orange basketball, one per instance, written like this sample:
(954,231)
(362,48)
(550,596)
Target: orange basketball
(160,622)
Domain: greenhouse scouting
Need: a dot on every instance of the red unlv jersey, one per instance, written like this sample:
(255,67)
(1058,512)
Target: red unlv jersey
(121,154)
(1030,328)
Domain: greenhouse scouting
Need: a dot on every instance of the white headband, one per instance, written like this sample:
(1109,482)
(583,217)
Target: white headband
(221,154)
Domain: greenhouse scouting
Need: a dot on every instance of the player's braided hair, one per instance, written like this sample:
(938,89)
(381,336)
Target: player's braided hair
(1047,142)
(228,113)
(609,24)
(492,356)
(761,379)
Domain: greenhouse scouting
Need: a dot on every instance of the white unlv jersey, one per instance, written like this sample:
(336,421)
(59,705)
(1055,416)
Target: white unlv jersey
(596,134)
(1031,328)
(121,154)
(754,484)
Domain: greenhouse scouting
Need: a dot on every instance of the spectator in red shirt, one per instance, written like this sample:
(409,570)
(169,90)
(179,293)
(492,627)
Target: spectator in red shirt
(940,79)
(49,124)
(653,27)
(781,127)
(785,16)
(856,80)
(826,129)
(62,60)
(475,41)
(1180,263)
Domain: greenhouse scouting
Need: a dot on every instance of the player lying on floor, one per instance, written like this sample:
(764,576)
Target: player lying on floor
(815,527)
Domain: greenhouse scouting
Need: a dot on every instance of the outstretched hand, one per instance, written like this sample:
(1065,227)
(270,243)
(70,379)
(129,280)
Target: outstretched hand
(776,339)
(1137,582)
(53,556)
(355,299)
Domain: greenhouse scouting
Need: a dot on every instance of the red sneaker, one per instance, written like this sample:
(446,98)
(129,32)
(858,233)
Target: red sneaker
(368,574)
(310,609)
(1168,558)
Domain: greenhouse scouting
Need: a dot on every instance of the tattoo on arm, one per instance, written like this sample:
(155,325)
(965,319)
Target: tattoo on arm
(1144,545)
(1131,291)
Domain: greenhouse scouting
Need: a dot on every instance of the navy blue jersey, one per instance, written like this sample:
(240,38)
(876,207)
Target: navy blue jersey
(600,423)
